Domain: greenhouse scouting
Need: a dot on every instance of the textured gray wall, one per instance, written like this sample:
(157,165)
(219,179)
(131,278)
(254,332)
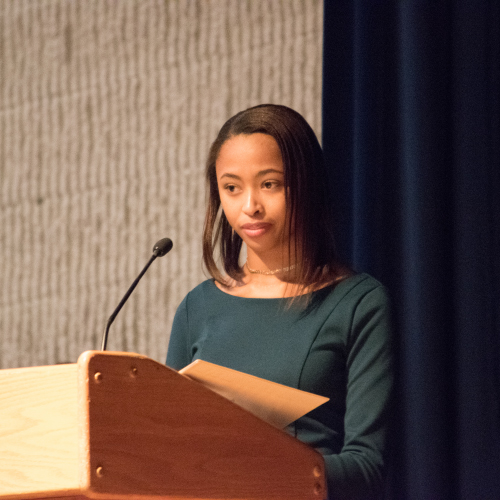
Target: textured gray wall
(107,110)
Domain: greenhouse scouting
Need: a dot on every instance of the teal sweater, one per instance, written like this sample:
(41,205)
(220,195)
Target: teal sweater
(339,347)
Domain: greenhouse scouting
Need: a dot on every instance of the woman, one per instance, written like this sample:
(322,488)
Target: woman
(291,312)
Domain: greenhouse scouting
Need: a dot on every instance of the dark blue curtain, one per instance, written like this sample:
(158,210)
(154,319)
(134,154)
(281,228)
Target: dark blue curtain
(411,130)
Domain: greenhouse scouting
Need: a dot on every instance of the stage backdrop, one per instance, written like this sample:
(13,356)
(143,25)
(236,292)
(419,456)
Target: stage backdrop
(107,110)
(412,133)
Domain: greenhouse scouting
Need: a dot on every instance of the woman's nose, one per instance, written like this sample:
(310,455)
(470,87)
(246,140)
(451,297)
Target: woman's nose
(252,204)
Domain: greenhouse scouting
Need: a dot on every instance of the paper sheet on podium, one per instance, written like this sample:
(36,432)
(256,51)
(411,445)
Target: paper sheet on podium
(275,403)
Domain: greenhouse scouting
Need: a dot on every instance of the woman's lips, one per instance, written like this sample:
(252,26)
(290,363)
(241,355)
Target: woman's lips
(255,229)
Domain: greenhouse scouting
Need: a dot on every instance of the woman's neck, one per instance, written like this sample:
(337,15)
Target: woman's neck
(272,263)
(264,282)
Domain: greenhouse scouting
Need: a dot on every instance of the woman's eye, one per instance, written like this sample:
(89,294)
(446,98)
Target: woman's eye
(230,187)
(270,184)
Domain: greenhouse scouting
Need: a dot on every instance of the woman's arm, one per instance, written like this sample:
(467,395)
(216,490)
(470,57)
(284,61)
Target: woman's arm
(178,348)
(358,471)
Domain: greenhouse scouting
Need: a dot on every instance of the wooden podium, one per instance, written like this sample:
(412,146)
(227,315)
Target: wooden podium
(122,426)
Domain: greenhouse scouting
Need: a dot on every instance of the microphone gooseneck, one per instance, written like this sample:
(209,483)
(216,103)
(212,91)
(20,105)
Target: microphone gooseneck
(160,249)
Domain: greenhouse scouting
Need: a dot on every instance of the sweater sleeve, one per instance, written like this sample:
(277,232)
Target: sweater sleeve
(178,348)
(357,471)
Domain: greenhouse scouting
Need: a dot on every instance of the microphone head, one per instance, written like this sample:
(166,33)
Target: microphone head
(162,247)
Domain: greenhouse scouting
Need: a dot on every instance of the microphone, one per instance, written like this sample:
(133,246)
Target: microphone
(161,248)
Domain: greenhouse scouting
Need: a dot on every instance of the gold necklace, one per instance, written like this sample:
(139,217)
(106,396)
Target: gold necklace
(276,271)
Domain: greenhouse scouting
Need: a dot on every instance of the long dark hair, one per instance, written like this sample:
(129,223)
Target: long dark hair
(307,197)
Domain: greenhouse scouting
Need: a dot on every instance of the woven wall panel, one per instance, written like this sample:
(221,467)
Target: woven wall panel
(107,110)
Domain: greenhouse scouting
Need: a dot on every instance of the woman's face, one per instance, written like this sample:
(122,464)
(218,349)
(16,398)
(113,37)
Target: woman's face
(251,186)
